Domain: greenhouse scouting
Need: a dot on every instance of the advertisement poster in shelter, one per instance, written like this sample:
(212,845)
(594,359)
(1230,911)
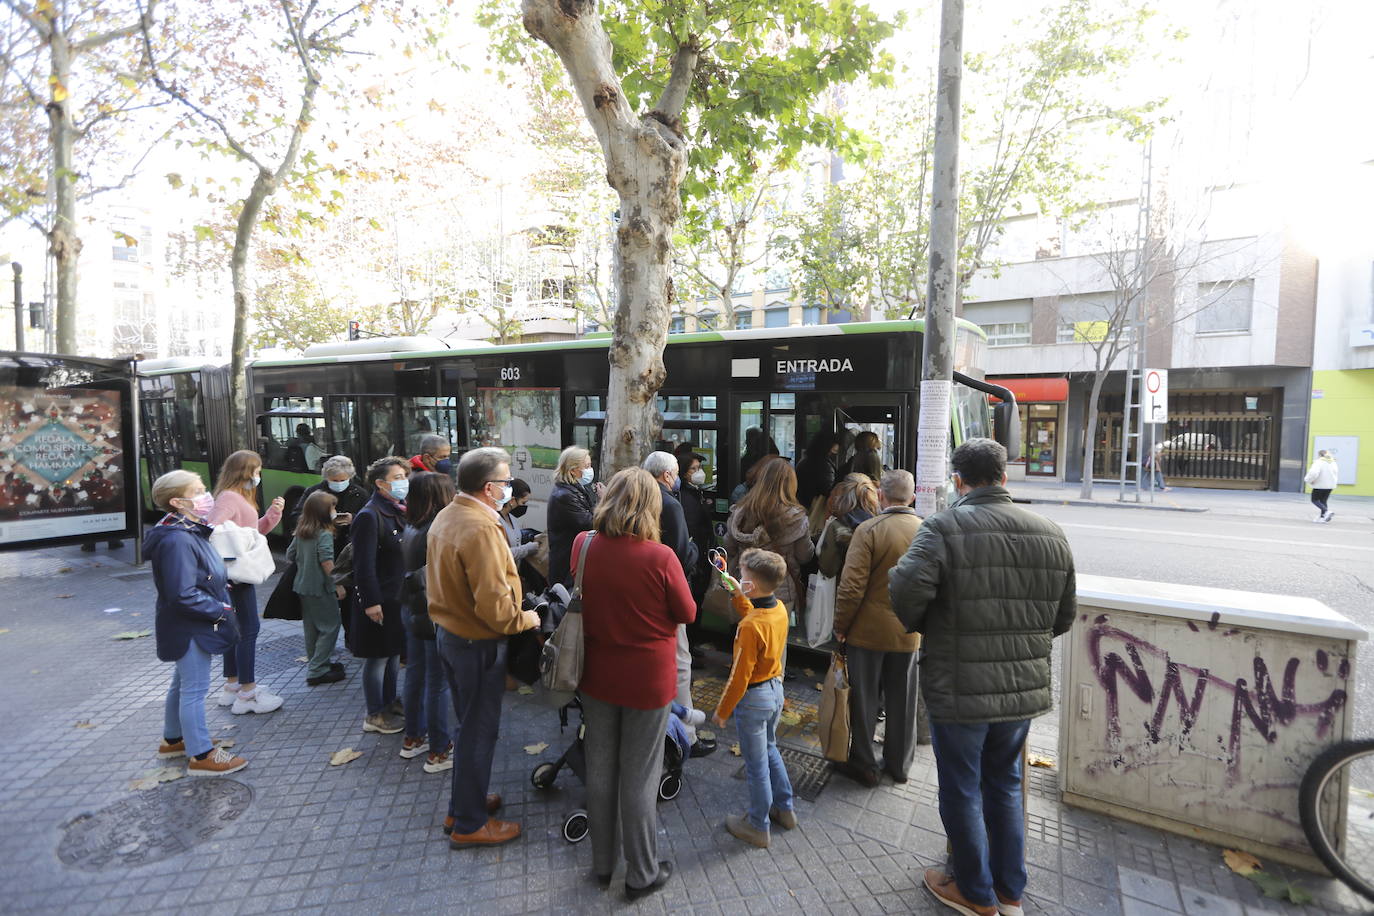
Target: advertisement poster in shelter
(62,463)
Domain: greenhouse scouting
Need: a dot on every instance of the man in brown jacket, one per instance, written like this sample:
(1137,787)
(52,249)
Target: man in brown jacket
(881,653)
(474,600)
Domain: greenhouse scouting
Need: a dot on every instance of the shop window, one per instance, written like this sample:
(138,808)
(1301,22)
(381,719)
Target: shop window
(1225,307)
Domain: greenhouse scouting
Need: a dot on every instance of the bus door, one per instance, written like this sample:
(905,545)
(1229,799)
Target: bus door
(786,422)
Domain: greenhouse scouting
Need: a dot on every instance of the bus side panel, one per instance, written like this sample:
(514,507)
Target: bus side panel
(276,483)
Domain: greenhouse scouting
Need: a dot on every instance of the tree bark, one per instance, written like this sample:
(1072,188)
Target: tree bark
(646,161)
(263,186)
(1085,490)
(63,243)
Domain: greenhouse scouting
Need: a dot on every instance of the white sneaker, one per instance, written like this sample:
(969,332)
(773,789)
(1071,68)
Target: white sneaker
(260,701)
(695,718)
(1329,516)
(227,695)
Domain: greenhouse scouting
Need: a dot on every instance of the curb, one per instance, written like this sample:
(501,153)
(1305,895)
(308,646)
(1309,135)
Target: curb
(1036,500)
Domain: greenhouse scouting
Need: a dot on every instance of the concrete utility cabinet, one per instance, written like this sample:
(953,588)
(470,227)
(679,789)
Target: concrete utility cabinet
(1197,710)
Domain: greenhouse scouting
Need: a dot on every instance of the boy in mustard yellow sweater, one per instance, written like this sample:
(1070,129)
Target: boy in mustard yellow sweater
(754,695)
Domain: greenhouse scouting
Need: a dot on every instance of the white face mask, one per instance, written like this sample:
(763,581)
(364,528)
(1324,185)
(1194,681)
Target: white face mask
(333,514)
(338,486)
(588,475)
(257,479)
(506,493)
(697,477)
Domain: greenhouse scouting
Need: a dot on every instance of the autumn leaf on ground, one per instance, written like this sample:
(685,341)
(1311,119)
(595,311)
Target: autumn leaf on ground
(820,686)
(62,596)
(789,717)
(224,742)
(83,723)
(525,690)
(301,659)
(156,777)
(344,756)
(132,634)
(4,629)
(734,749)
(535,749)
(1242,863)
(1275,888)
(1036,760)
(709,736)
(808,672)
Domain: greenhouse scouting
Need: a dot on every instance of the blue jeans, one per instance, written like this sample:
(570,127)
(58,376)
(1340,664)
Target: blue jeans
(476,672)
(239,661)
(980,804)
(184,714)
(379,682)
(425,695)
(756,721)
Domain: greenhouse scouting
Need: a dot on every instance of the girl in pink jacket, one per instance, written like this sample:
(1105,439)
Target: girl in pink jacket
(236,500)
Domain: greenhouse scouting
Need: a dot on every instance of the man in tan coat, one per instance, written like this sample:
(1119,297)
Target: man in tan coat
(474,600)
(881,653)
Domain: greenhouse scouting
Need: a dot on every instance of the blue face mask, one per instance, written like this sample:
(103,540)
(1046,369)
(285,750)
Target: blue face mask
(443,465)
(338,486)
(400,489)
(677,484)
(588,475)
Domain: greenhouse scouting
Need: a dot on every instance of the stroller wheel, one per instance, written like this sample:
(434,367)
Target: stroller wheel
(669,786)
(544,775)
(575,826)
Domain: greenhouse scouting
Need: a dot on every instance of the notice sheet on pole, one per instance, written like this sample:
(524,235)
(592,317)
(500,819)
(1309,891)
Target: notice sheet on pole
(932,443)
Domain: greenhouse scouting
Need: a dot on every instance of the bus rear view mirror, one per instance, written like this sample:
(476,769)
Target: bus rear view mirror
(1006,428)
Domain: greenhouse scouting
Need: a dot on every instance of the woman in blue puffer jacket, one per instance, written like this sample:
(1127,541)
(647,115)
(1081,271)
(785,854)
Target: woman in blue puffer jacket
(194,619)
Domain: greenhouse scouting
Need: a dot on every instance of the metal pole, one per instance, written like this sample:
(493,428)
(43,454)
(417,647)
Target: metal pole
(18,306)
(942,288)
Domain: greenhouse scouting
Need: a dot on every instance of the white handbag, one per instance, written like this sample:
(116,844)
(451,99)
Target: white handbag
(245,552)
(820,604)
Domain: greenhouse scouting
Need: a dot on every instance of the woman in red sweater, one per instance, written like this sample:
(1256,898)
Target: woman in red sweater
(634,595)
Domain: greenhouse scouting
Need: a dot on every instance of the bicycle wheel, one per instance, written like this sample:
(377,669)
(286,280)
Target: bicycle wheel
(1339,786)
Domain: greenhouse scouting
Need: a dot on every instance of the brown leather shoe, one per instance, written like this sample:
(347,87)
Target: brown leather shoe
(493,805)
(492,833)
(947,892)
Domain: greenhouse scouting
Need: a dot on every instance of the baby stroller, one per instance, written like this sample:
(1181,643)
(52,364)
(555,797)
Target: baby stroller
(669,784)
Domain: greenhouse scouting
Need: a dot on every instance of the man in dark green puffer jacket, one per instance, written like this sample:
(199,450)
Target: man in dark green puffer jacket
(989,585)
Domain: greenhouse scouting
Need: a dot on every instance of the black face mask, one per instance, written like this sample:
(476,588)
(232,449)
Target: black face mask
(518,511)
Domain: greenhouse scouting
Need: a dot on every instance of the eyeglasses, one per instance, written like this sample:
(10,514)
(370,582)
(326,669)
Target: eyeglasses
(504,482)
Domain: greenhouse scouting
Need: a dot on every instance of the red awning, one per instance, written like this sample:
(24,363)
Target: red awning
(1035,390)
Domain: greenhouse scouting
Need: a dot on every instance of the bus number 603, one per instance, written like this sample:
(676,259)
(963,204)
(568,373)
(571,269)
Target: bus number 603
(510,374)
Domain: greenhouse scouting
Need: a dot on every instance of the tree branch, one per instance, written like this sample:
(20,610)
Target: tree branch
(674,97)
(91,42)
(32,19)
(145,22)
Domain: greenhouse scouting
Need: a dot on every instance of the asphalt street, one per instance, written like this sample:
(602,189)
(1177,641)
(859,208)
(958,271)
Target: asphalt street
(1332,562)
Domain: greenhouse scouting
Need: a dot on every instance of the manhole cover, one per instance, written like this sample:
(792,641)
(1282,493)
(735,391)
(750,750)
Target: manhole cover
(809,772)
(153,825)
(279,655)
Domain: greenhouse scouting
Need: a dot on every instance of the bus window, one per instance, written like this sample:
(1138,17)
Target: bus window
(704,442)
(524,422)
(292,432)
(191,419)
(427,416)
(782,425)
(754,441)
(970,414)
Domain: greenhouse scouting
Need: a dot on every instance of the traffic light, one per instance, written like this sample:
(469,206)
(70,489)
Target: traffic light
(35,314)
(354,330)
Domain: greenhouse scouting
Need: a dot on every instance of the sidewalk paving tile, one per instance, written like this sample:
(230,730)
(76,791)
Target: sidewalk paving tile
(364,837)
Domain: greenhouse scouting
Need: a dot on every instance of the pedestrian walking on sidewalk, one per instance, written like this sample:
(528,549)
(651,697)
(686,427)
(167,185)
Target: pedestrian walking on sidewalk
(881,654)
(1153,466)
(195,619)
(426,698)
(989,585)
(236,500)
(474,600)
(378,637)
(312,550)
(1323,477)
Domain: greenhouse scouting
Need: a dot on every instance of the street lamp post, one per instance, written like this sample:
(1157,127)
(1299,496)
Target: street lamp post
(18,305)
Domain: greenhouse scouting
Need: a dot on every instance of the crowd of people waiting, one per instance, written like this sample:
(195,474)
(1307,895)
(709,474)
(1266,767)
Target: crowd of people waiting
(436,578)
